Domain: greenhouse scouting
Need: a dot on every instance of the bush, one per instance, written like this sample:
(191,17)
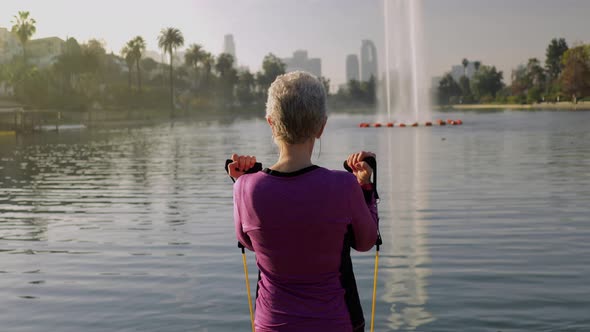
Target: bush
(518,99)
(487,99)
(534,95)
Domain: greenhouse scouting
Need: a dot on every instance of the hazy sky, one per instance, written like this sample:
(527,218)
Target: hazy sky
(504,33)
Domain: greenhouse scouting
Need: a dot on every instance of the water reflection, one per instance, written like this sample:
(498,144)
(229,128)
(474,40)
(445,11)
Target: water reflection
(405,253)
(121,224)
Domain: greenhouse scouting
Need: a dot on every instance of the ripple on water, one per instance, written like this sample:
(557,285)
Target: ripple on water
(133,229)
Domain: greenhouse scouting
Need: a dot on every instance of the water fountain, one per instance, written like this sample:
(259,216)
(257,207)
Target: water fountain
(406,86)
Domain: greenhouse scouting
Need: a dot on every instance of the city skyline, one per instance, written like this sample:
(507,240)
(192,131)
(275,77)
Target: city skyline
(502,33)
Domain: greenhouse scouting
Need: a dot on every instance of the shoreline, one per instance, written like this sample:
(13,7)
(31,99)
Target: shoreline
(540,106)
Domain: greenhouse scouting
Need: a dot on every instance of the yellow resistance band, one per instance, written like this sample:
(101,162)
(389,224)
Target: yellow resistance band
(248,290)
(374,290)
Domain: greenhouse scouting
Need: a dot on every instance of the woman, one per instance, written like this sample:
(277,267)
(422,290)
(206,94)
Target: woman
(302,219)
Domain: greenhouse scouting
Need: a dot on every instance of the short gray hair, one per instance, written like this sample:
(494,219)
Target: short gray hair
(296,106)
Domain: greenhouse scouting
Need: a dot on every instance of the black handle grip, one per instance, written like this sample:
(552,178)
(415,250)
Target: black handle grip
(257,167)
(373,163)
(369,160)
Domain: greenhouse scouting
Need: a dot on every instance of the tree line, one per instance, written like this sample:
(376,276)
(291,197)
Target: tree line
(564,77)
(85,76)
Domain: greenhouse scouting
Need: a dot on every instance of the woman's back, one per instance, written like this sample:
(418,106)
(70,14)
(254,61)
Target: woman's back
(297,224)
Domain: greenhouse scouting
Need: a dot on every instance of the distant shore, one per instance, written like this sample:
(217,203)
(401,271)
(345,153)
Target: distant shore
(545,106)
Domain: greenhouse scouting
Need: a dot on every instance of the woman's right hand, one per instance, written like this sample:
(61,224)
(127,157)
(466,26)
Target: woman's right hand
(360,168)
(240,165)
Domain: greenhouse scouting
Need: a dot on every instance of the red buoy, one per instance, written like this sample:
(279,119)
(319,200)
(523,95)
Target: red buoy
(390,124)
(428,124)
(415,124)
(377,125)
(440,122)
(459,122)
(402,124)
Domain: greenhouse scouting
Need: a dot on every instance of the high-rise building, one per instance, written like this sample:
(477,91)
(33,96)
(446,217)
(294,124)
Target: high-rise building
(9,45)
(352,67)
(368,60)
(229,47)
(300,61)
(42,52)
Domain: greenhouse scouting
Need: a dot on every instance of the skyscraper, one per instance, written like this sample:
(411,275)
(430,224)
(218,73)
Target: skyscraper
(300,61)
(352,67)
(229,47)
(368,60)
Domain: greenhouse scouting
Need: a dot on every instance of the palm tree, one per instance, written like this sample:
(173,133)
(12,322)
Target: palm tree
(138,47)
(477,64)
(24,28)
(465,63)
(227,76)
(169,40)
(127,53)
(208,61)
(193,57)
(132,52)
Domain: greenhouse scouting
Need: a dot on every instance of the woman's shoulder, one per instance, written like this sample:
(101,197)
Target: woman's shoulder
(344,177)
(313,174)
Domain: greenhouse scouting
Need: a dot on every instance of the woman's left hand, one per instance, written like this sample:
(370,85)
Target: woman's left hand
(360,168)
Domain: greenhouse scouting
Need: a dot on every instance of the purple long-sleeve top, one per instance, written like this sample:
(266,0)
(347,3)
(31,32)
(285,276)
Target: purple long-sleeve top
(297,223)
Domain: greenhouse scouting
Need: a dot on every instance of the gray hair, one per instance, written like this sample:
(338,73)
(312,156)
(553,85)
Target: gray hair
(296,106)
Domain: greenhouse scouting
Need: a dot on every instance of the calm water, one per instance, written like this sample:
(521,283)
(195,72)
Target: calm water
(486,225)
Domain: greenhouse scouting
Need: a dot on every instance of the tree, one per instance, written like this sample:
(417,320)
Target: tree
(129,57)
(536,79)
(520,83)
(535,72)
(92,70)
(369,90)
(575,77)
(193,55)
(272,67)
(528,82)
(137,46)
(476,65)
(24,28)
(245,87)
(193,58)
(326,83)
(487,82)
(464,85)
(149,64)
(208,61)
(169,40)
(554,54)
(355,92)
(93,53)
(448,90)
(69,64)
(465,63)
(227,76)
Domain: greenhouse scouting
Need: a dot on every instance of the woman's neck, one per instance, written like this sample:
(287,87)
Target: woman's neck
(293,157)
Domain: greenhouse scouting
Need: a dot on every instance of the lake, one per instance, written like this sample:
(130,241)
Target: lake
(486,226)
